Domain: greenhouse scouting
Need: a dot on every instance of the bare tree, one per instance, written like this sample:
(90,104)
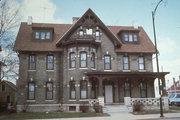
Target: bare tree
(9,21)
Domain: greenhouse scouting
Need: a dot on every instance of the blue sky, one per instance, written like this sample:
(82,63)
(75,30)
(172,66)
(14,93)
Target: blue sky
(122,13)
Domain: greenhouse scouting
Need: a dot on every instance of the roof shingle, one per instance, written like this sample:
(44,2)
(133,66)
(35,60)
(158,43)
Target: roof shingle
(24,41)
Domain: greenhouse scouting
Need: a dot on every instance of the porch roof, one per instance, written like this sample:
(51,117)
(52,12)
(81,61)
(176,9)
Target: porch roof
(126,74)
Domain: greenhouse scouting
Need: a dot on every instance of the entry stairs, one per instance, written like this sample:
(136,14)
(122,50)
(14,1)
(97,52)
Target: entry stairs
(116,109)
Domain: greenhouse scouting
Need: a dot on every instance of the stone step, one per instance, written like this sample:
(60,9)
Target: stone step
(115,109)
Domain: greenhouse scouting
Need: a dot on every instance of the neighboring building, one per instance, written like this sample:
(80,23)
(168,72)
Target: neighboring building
(175,88)
(68,64)
(7,95)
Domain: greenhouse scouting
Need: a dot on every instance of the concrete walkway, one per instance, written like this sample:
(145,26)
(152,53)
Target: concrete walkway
(128,116)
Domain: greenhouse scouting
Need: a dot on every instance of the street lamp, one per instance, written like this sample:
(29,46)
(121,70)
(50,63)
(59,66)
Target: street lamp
(157,61)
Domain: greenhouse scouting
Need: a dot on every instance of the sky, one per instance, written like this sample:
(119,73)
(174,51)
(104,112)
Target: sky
(121,13)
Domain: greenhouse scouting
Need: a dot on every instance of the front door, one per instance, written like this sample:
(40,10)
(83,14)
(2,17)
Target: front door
(108,94)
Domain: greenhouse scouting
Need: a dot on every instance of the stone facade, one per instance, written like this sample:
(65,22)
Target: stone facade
(106,85)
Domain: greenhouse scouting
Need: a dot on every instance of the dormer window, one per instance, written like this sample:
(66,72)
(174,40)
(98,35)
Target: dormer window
(37,35)
(42,35)
(48,35)
(130,37)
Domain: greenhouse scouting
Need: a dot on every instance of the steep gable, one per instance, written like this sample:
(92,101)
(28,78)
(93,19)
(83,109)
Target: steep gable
(88,20)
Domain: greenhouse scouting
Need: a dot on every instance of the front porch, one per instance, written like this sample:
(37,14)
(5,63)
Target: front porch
(114,86)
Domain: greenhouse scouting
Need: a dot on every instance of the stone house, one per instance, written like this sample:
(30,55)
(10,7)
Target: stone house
(7,95)
(66,65)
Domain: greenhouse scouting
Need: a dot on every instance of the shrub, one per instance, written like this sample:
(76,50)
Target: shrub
(137,106)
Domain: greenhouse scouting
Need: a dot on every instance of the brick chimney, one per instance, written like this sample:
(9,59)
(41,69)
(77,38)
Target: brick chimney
(75,19)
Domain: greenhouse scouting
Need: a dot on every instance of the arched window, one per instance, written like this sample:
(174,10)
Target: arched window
(72,60)
(97,35)
(107,62)
(127,89)
(49,90)
(92,60)
(83,59)
(72,90)
(83,89)
(143,89)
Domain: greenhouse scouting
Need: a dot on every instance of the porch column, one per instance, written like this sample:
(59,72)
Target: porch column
(100,87)
(101,97)
(163,86)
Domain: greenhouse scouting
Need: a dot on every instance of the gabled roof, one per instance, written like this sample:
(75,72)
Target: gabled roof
(9,84)
(145,44)
(100,24)
(25,41)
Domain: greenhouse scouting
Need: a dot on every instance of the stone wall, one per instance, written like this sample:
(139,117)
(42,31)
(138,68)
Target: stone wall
(147,103)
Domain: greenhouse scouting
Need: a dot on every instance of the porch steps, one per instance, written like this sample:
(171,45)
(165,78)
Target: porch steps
(116,109)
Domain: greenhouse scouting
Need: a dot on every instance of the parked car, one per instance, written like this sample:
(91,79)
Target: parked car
(174,99)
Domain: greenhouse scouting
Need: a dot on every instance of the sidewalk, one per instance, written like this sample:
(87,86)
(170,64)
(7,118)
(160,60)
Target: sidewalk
(128,116)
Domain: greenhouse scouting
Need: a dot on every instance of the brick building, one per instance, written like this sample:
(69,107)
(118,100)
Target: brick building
(7,95)
(69,64)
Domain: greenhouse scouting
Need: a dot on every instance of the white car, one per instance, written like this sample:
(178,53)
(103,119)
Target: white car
(174,99)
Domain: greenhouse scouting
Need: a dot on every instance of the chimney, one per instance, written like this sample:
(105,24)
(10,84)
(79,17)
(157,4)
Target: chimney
(135,24)
(75,19)
(29,22)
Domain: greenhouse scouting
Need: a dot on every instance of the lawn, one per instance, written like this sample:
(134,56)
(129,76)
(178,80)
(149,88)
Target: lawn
(23,116)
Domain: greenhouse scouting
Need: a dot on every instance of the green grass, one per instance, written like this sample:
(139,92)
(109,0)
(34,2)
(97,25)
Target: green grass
(177,108)
(23,116)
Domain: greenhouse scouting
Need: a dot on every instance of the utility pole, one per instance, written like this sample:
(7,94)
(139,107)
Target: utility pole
(157,60)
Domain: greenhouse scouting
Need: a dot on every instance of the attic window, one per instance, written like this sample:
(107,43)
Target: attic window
(97,35)
(89,31)
(130,37)
(81,34)
(42,35)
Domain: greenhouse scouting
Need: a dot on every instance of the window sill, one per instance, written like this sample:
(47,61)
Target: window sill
(126,70)
(71,100)
(31,70)
(71,68)
(93,69)
(83,68)
(107,70)
(84,99)
(142,70)
(49,100)
(50,70)
(30,100)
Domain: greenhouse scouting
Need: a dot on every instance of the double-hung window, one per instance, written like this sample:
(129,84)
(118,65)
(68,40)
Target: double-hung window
(92,60)
(83,89)
(49,91)
(72,60)
(32,62)
(83,59)
(143,89)
(126,62)
(72,89)
(107,62)
(50,62)
(127,89)
(31,91)
(97,35)
(141,63)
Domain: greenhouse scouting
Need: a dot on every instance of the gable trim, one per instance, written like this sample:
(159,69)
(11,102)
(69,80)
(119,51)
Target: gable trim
(115,40)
